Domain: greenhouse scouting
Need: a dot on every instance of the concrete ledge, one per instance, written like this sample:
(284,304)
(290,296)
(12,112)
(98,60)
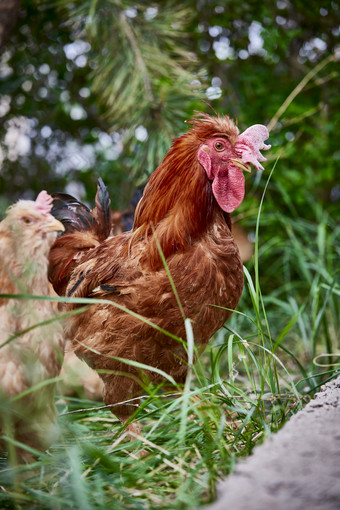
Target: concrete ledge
(296,469)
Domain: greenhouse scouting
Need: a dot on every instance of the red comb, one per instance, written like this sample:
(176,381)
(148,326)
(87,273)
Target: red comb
(250,143)
(43,202)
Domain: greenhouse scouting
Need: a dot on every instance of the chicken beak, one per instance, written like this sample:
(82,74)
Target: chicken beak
(244,166)
(56,226)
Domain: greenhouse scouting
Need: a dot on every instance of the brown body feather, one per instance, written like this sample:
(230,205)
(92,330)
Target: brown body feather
(179,209)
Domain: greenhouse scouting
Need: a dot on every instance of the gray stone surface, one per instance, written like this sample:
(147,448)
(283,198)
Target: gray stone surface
(296,469)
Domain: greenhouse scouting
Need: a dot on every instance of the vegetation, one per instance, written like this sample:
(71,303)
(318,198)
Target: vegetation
(100,88)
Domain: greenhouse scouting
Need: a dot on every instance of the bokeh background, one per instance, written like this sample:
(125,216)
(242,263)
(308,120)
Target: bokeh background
(93,88)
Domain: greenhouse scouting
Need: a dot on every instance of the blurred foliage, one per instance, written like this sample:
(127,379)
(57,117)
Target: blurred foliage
(76,110)
(101,87)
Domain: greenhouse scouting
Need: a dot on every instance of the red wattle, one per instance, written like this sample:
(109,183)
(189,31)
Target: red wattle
(228,189)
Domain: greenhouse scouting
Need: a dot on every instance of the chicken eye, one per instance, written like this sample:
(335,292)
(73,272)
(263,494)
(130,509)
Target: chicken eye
(219,146)
(26,220)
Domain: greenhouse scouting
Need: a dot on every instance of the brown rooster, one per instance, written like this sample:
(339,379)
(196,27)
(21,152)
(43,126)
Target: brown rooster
(26,236)
(77,377)
(184,211)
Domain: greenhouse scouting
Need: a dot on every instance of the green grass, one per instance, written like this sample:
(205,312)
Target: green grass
(258,370)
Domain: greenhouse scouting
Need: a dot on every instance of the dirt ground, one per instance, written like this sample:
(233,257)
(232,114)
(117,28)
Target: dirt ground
(296,469)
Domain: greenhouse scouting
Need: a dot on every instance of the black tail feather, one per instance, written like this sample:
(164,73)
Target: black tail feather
(77,217)
(74,215)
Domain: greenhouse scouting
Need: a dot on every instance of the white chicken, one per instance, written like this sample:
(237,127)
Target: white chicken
(29,360)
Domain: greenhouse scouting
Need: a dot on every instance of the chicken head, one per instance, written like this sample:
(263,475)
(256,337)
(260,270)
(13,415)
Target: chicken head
(223,163)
